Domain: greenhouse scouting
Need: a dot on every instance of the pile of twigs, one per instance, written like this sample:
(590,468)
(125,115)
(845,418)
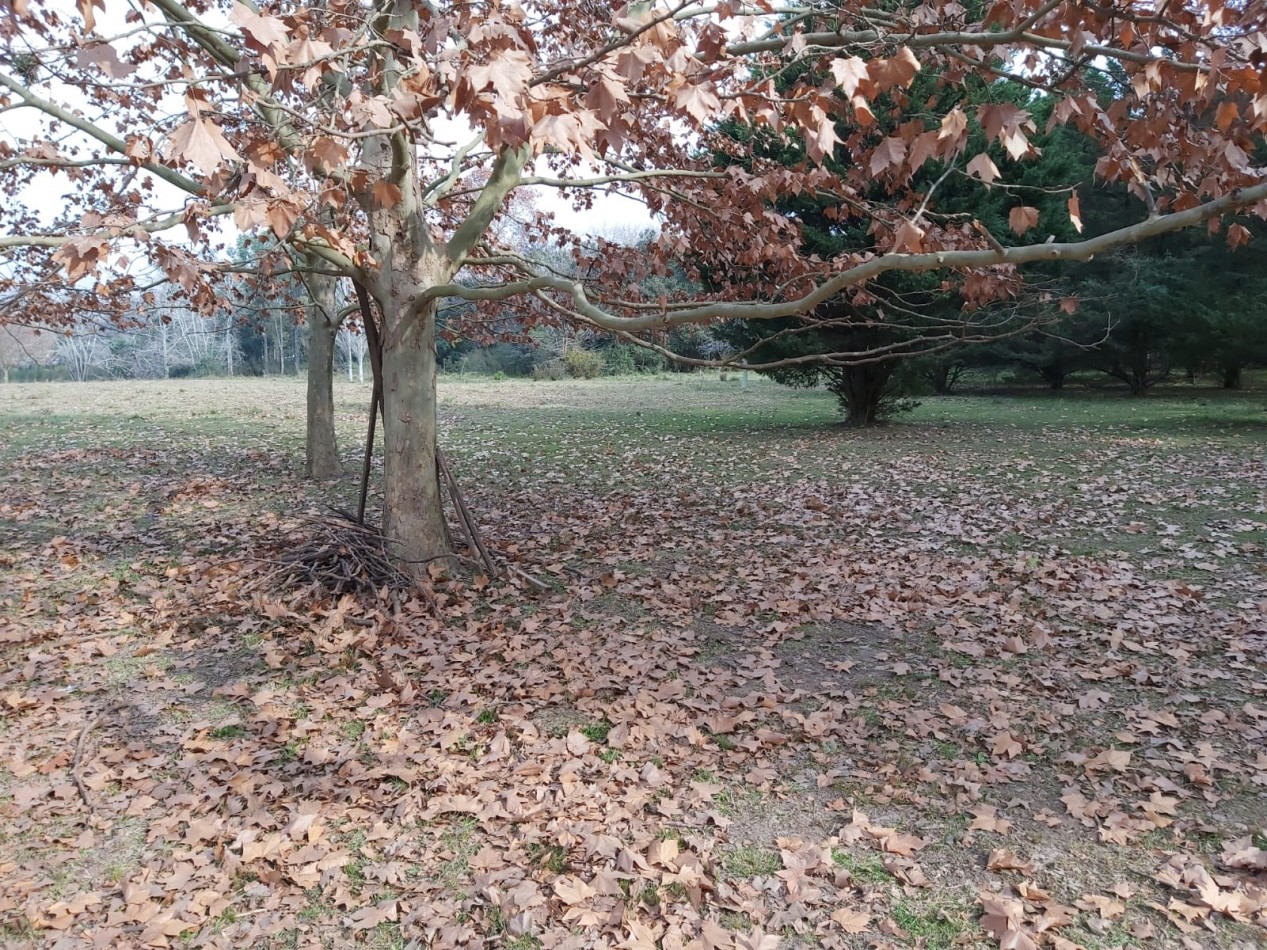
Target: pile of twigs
(342,557)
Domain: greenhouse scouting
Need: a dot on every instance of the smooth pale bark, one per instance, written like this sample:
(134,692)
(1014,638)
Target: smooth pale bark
(323,324)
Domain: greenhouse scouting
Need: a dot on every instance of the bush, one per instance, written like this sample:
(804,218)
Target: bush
(619,360)
(551,369)
(183,371)
(623,359)
(583,364)
(506,358)
(210,366)
(499,376)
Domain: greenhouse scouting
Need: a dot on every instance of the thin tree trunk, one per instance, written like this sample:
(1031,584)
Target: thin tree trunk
(323,449)
(281,348)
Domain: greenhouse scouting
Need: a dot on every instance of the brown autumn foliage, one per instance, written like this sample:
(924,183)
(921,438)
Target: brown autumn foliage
(387,138)
(761,705)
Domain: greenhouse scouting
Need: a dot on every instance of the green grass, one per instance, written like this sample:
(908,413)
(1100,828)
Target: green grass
(862,868)
(551,857)
(596,731)
(750,861)
(933,926)
(353,729)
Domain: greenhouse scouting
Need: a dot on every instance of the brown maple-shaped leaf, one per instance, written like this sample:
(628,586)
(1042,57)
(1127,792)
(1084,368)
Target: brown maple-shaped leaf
(954,125)
(1115,760)
(104,56)
(820,137)
(89,14)
(983,167)
(606,96)
(696,99)
(757,939)
(987,819)
(1075,212)
(1021,218)
(263,30)
(201,143)
(507,74)
(386,194)
(1000,859)
(849,73)
(899,69)
(905,845)
(909,238)
(1237,236)
(851,920)
(889,154)
(1003,918)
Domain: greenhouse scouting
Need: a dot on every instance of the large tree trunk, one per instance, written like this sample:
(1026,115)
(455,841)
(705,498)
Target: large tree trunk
(1054,375)
(860,390)
(323,323)
(1231,376)
(413,513)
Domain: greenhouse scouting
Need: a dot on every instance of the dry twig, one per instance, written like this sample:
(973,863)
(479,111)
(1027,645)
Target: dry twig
(77,761)
(343,557)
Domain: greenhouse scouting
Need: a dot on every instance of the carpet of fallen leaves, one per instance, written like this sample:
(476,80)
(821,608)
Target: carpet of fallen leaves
(946,684)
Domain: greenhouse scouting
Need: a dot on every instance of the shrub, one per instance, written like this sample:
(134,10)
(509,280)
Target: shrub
(551,369)
(183,371)
(506,358)
(583,364)
(619,360)
(624,358)
(499,376)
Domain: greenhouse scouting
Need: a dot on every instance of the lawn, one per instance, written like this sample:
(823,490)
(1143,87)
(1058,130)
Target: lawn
(993,675)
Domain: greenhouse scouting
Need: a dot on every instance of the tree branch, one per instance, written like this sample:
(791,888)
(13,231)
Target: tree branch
(705,312)
(116,231)
(504,177)
(112,142)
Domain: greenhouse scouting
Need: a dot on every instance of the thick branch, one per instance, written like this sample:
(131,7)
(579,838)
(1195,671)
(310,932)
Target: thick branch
(112,142)
(503,179)
(705,312)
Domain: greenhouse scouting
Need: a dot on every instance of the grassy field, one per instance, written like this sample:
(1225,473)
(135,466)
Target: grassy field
(993,674)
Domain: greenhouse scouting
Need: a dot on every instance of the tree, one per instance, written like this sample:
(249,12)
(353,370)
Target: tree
(324,128)
(900,316)
(354,347)
(23,346)
(325,316)
(83,351)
